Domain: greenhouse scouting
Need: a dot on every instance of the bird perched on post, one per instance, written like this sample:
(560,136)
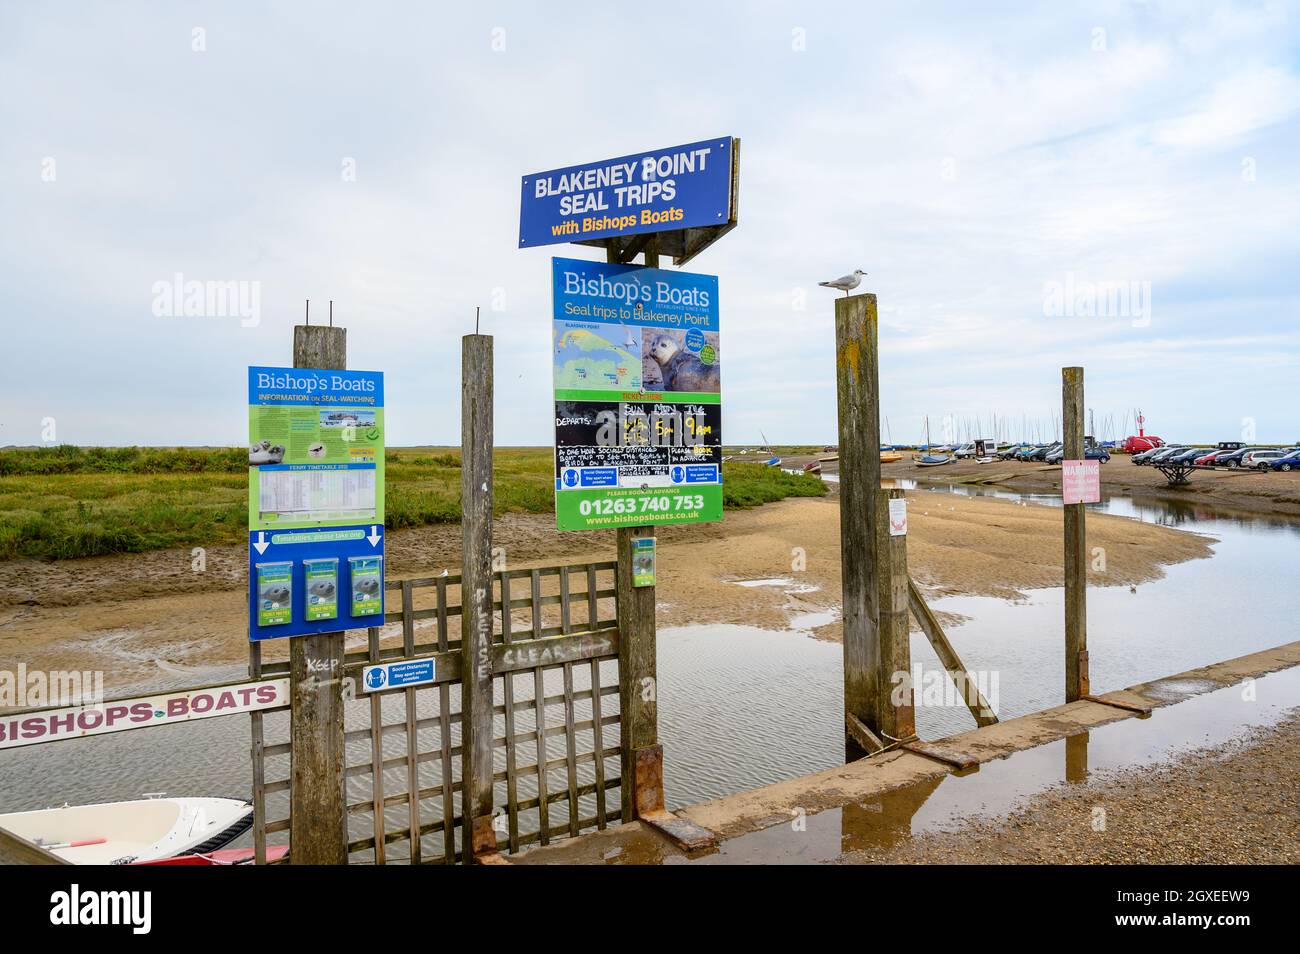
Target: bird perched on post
(846,283)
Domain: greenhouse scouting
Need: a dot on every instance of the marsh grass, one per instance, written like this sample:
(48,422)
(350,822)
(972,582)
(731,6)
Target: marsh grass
(61,503)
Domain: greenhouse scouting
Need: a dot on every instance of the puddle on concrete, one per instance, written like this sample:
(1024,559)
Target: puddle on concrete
(999,787)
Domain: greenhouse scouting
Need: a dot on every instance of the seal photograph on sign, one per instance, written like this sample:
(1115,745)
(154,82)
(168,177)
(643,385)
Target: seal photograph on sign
(680,368)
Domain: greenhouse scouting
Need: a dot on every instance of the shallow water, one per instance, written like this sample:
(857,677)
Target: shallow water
(1201,612)
(742,707)
(1000,787)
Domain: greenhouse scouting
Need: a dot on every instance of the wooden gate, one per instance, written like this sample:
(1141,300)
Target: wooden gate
(555,714)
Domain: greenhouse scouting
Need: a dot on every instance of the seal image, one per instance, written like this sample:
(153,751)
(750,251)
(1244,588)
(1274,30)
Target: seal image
(322,588)
(366,588)
(275,596)
(265,453)
(682,371)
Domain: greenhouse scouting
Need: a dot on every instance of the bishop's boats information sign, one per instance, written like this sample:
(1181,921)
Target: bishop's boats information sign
(315,501)
(638,413)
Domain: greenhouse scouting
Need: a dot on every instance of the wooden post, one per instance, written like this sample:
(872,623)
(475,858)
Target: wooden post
(317,806)
(896,720)
(858,399)
(641,790)
(1076,545)
(476,595)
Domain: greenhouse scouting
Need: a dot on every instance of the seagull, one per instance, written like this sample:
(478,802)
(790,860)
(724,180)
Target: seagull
(846,283)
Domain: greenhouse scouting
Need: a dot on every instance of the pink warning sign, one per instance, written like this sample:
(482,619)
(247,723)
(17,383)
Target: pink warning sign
(1081,481)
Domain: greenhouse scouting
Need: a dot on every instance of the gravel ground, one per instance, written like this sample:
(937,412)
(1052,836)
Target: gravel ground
(1235,806)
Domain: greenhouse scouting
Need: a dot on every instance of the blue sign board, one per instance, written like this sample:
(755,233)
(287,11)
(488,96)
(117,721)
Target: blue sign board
(315,501)
(315,580)
(602,294)
(637,372)
(679,187)
(394,675)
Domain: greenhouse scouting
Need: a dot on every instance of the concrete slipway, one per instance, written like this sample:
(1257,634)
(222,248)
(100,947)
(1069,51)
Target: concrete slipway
(878,799)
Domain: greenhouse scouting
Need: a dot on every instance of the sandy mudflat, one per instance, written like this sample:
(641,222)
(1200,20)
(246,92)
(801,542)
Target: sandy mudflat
(1235,806)
(150,617)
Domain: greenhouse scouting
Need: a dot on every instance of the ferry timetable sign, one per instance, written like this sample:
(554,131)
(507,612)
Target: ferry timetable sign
(679,187)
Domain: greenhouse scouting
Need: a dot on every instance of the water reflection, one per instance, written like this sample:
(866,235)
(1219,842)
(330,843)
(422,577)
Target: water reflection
(1000,787)
(741,707)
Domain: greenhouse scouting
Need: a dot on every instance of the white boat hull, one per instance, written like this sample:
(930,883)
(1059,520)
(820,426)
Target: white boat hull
(145,829)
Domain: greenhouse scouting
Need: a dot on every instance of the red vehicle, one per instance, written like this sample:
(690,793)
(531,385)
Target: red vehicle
(1208,459)
(1142,441)
(1138,444)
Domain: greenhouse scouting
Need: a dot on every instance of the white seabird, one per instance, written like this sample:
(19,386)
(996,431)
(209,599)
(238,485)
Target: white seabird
(846,283)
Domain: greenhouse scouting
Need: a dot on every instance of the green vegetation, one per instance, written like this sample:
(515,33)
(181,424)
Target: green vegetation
(748,485)
(65,502)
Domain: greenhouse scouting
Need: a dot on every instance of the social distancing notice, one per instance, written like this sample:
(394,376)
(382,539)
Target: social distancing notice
(638,396)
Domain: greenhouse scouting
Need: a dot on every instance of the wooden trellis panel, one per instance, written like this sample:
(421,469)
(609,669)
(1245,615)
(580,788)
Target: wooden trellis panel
(555,720)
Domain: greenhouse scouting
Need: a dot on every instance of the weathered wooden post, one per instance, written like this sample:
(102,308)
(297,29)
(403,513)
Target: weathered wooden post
(641,754)
(1076,567)
(317,807)
(896,717)
(476,596)
(858,402)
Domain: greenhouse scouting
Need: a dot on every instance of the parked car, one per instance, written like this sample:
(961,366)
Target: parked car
(1232,459)
(1097,453)
(1055,454)
(1186,456)
(1027,451)
(1261,459)
(1040,453)
(1146,457)
(1207,460)
(1009,452)
(1289,461)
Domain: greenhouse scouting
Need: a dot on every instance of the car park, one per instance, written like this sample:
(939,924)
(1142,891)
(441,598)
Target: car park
(1232,459)
(1287,462)
(1260,459)
(1187,456)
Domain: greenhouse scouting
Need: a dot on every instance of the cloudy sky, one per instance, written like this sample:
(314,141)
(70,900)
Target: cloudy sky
(974,164)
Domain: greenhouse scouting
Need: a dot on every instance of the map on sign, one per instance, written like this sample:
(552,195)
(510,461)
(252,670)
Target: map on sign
(593,355)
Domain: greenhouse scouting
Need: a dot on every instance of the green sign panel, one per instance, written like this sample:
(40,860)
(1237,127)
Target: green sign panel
(316,448)
(643,561)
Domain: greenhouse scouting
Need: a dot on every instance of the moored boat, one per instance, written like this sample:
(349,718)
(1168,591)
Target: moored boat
(931,460)
(145,829)
(223,856)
